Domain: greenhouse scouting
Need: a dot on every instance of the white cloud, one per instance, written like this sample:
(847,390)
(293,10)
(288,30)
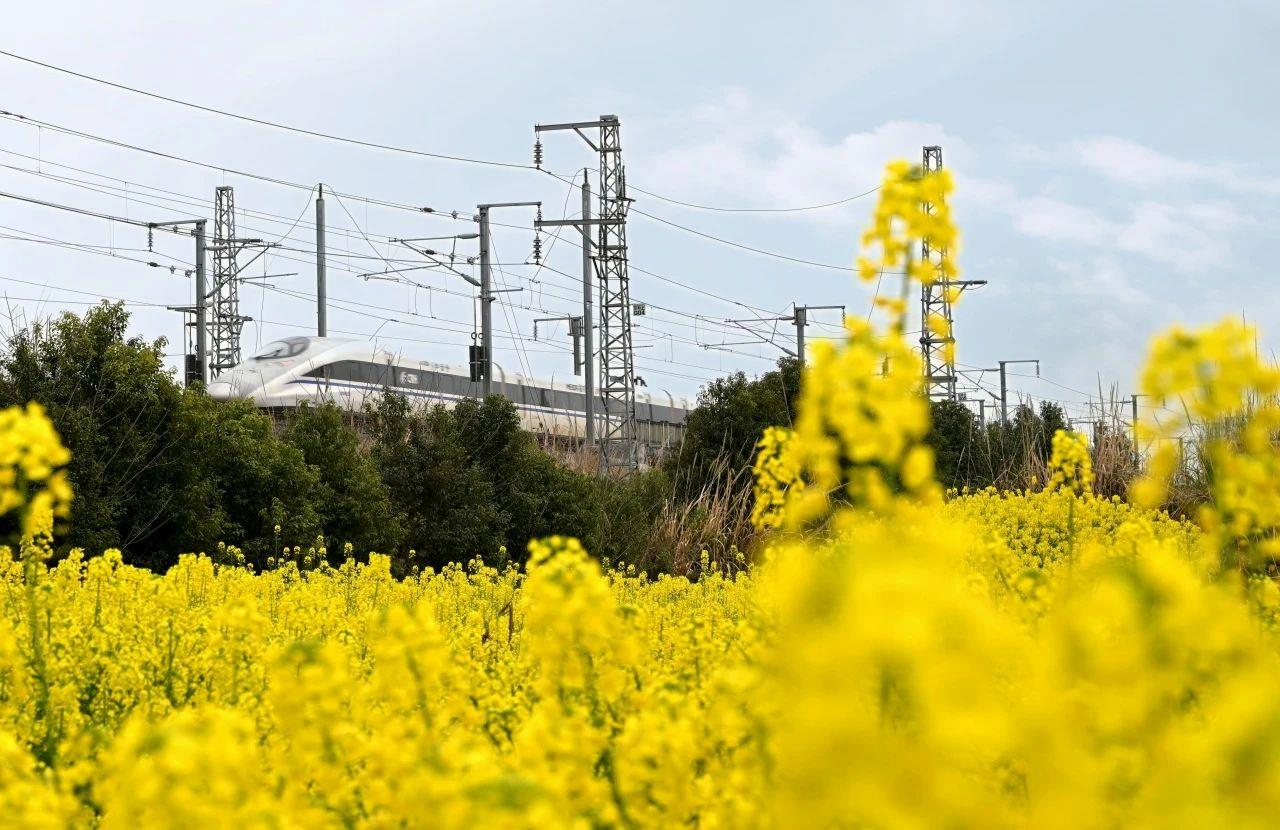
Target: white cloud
(1048,218)
(1132,163)
(1189,237)
(1102,279)
(1112,314)
(741,153)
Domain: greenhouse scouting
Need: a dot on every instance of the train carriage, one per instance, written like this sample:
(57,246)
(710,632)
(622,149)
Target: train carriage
(353,373)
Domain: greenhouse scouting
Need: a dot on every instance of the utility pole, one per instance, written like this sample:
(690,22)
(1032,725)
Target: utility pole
(322,297)
(487,292)
(202,304)
(618,441)
(227,321)
(588,314)
(936,299)
(1004,387)
(801,319)
(1133,401)
(226,288)
(202,296)
(1004,399)
(486,308)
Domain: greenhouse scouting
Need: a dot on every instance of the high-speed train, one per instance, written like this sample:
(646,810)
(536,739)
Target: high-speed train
(352,373)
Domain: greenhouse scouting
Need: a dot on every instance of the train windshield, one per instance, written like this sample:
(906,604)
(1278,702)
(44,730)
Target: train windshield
(282,349)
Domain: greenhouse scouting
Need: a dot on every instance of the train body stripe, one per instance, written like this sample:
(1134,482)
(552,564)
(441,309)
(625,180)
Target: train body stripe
(443,397)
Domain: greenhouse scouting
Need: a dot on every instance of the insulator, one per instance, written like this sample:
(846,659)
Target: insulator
(537,154)
(537,249)
(150,237)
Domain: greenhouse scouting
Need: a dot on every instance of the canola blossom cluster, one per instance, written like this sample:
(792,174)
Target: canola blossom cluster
(896,657)
(776,477)
(1216,378)
(1070,465)
(31,454)
(913,210)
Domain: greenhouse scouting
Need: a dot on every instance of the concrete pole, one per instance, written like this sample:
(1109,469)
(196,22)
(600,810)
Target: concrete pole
(588,315)
(1133,400)
(202,306)
(1004,398)
(322,296)
(801,320)
(486,307)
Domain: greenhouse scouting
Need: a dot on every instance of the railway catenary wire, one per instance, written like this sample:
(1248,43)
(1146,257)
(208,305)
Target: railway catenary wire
(264,122)
(400,149)
(345,304)
(721,240)
(194,201)
(515,336)
(148,304)
(720,209)
(708,321)
(86,248)
(502,273)
(454,215)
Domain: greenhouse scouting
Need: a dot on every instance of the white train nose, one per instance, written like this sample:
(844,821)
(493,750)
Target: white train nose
(235,383)
(221,390)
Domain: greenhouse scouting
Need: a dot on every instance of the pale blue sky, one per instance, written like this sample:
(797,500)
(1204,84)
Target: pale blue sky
(1115,161)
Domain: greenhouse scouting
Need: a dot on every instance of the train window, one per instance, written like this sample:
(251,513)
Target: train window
(354,371)
(329,371)
(379,373)
(453,384)
(408,378)
(280,349)
(349,370)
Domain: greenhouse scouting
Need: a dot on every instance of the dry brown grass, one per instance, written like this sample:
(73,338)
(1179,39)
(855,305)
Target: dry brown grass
(718,521)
